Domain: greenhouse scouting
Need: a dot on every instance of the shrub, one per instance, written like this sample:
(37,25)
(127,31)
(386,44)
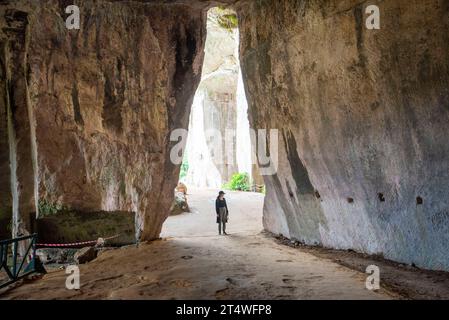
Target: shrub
(239,182)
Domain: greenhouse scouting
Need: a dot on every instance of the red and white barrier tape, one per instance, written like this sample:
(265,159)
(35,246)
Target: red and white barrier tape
(75,244)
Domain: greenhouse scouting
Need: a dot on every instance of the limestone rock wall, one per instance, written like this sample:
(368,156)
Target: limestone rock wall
(363,114)
(18,156)
(93,108)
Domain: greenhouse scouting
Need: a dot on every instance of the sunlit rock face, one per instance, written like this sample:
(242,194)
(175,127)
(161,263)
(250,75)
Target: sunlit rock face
(363,114)
(93,108)
(202,171)
(244,152)
(219,106)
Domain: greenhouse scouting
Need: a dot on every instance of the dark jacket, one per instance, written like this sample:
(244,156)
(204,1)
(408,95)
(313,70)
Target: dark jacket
(220,204)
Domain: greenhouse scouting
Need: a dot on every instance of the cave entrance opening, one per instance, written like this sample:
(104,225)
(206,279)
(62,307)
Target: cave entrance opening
(218,153)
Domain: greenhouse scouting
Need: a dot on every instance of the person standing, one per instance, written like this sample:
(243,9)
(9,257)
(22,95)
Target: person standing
(222,212)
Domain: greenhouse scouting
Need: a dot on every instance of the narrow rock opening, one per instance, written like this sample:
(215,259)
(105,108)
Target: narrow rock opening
(218,152)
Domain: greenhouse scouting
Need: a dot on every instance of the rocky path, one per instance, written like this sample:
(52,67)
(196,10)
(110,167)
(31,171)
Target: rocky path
(193,262)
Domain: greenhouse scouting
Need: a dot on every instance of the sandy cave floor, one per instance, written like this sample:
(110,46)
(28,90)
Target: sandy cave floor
(192,261)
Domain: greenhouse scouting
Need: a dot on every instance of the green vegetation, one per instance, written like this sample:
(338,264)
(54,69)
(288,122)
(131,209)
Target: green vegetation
(227,19)
(184,167)
(74,226)
(239,182)
(46,208)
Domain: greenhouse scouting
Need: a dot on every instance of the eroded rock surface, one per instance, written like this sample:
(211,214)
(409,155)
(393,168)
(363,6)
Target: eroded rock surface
(363,116)
(93,109)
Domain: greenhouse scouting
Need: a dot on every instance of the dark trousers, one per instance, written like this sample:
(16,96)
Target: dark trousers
(222,219)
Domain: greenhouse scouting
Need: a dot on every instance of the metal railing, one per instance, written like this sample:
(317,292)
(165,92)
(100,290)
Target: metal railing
(17,263)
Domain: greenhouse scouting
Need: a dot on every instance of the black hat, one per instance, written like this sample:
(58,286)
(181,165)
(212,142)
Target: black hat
(221,192)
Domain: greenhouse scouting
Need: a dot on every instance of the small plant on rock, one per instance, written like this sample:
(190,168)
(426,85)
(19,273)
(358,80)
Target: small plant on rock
(47,208)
